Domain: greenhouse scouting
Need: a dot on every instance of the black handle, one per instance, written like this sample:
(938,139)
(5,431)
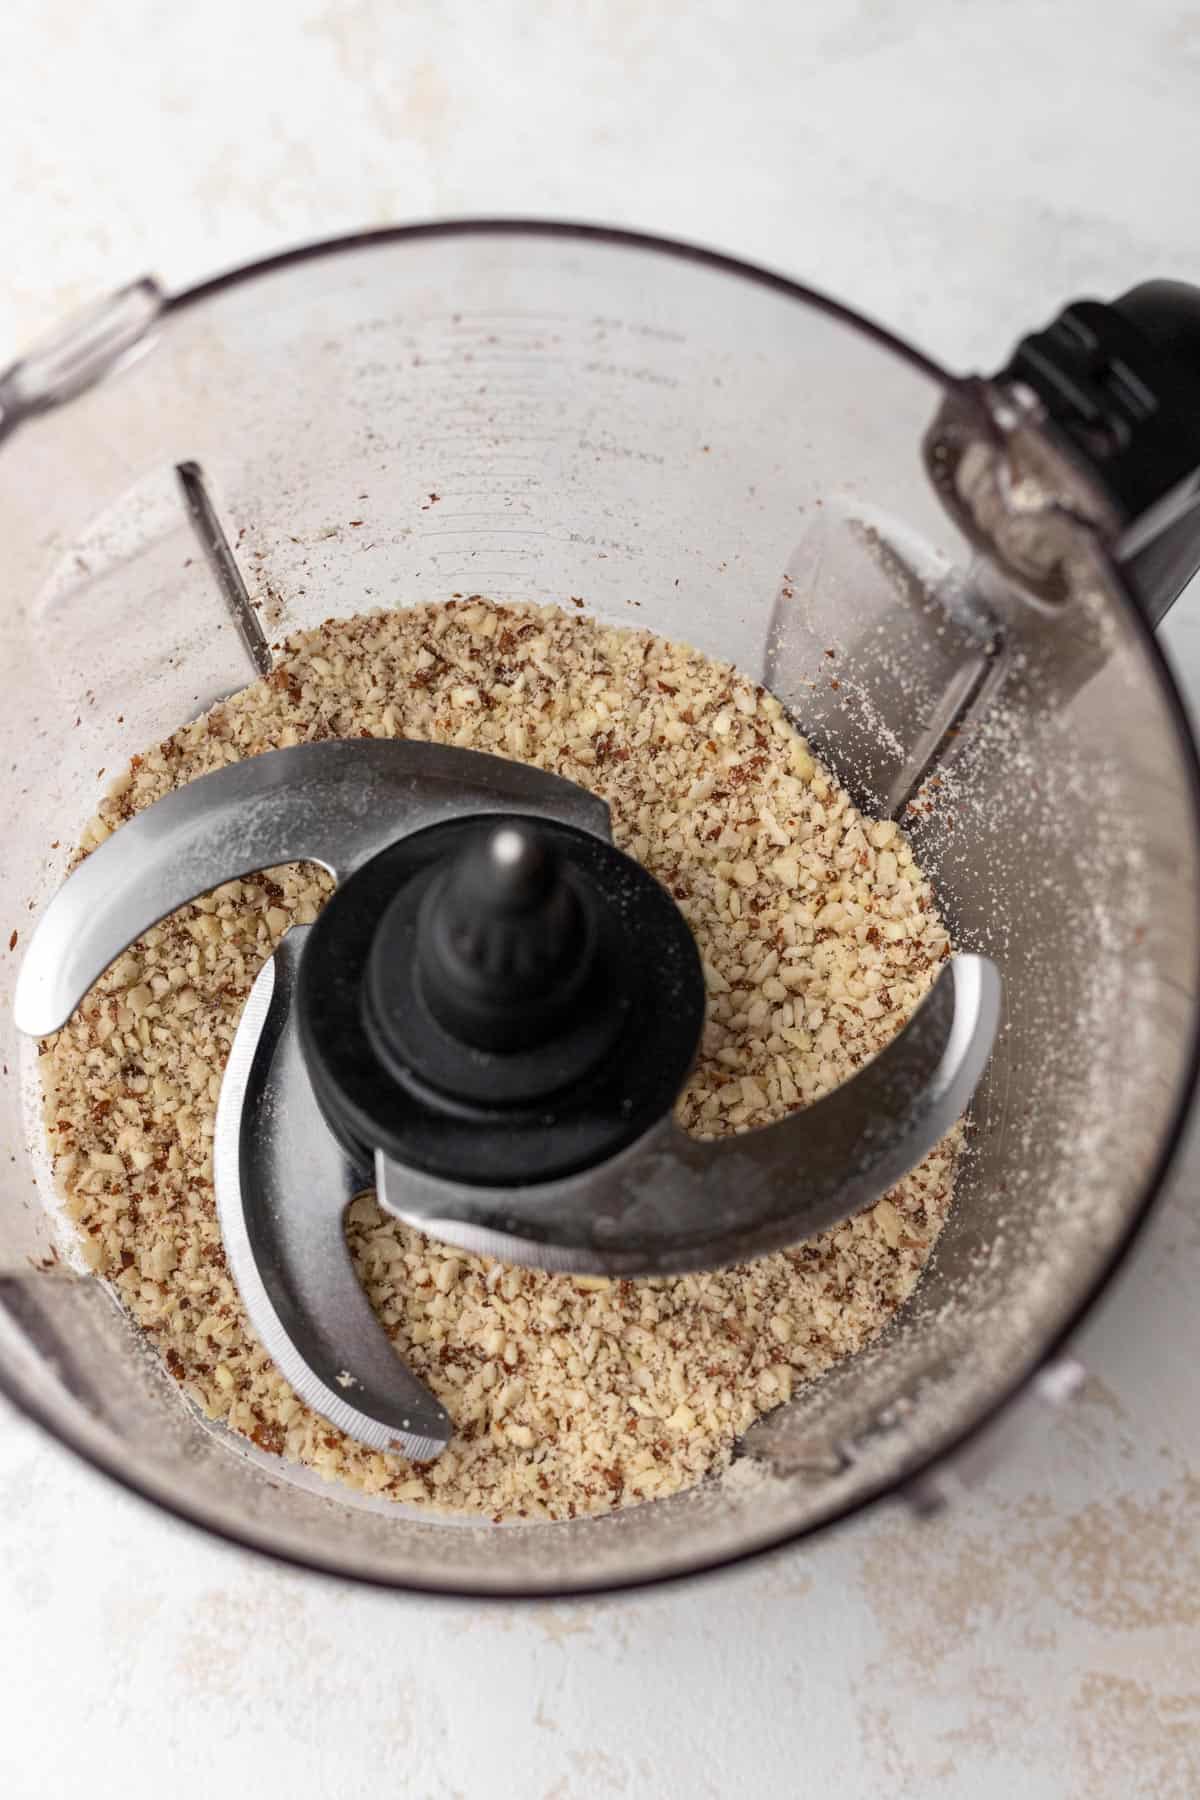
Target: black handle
(1121,383)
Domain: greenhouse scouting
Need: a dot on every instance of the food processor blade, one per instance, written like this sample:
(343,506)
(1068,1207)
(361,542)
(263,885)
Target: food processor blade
(291,1148)
(672,1203)
(282,1184)
(336,804)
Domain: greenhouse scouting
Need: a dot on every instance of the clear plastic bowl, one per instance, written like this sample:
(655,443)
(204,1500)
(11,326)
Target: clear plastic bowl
(689,444)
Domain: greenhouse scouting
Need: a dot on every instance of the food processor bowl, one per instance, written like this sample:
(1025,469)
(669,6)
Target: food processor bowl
(684,443)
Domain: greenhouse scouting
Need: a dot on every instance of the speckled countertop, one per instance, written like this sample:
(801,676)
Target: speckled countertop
(956,172)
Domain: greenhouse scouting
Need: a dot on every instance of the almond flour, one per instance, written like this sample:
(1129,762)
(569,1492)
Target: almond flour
(819,936)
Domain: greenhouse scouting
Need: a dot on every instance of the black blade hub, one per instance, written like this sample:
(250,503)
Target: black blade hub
(499,999)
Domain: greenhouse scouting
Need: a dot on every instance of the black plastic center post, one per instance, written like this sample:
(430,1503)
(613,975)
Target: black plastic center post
(496,976)
(505,941)
(499,1000)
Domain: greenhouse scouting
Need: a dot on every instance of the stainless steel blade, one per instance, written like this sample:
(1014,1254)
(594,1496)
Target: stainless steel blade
(282,1185)
(336,804)
(671,1203)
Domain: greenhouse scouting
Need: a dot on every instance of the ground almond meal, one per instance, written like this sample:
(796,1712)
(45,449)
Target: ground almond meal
(819,935)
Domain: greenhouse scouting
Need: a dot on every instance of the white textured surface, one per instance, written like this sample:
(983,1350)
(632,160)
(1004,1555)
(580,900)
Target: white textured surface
(957,172)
